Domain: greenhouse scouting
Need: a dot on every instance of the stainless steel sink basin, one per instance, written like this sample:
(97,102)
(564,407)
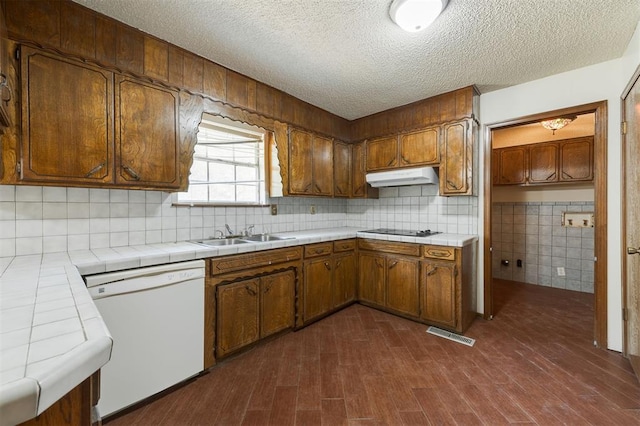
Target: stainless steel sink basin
(263,238)
(222,242)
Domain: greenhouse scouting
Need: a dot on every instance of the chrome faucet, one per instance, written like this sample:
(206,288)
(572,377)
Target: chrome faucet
(216,232)
(249,231)
(228,229)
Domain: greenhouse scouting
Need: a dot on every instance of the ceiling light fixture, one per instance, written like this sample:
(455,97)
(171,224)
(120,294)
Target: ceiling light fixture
(557,123)
(415,15)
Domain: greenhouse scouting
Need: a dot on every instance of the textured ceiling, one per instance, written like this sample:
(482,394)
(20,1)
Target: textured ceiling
(348,57)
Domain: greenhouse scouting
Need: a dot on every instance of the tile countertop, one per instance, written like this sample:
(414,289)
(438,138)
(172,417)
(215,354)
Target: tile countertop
(52,337)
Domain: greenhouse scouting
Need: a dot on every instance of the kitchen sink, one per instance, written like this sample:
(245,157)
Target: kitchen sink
(222,242)
(263,238)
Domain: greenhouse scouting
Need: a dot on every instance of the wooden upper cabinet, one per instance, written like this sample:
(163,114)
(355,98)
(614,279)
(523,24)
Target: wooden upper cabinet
(564,161)
(147,135)
(67,120)
(543,163)
(359,186)
(576,160)
(6,93)
(457,158)
(310,164)
(420,148)
(382,153)
(341,169)
(322,166)
(511,165)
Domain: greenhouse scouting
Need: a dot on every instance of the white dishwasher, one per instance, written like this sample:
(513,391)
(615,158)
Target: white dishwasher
(156,318)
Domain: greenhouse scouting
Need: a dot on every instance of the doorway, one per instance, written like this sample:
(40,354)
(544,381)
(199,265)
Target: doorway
(599,111)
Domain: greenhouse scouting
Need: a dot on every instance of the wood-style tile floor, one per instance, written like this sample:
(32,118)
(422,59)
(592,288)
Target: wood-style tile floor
(534,363)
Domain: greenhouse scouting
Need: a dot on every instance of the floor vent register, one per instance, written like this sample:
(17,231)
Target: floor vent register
(451,336)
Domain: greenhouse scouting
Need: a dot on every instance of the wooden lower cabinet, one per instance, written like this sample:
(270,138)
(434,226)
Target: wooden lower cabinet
(318,283)
(249,297)
(431,284)
(403,285)
(277,302)
(253,309)
(371,282)
(330,272)
(344,279)
(440,294)
(238,318)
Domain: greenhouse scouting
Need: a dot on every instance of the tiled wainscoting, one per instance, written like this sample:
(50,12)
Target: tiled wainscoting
(533,233)
(35,219)
(416,208)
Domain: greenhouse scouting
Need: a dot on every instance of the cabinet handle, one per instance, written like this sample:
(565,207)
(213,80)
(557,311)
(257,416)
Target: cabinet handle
(391,162)
(379,263)
(567,175)
(131,172)
(550,176)
(438,253)
(318,189)
(432,271)
(393,264)
(326,265)
(307,188)
(339,190)
(267,289)
(453,185)
(3,85)
(404,160)
(338,263)
(250,290)
(95,169)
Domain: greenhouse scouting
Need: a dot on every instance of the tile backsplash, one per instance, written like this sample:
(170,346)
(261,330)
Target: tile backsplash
(35,219)
(533,233)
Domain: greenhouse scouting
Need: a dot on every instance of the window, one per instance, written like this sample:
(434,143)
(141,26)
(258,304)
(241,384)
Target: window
(228,164)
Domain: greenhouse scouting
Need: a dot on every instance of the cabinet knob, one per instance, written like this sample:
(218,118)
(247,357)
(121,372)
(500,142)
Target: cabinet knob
(131,172)
(432,271)
(95,169)
(326,265)
(633,250)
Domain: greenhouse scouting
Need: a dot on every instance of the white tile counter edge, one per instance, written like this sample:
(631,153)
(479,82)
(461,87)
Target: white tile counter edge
(26,397)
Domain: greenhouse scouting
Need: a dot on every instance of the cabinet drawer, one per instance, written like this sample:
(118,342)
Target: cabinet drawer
(344,245)
(223,265)
(320,249)
(440,252)
(408,249)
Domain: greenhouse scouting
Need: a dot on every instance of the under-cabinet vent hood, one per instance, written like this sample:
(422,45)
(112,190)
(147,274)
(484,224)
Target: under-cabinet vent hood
(402,177)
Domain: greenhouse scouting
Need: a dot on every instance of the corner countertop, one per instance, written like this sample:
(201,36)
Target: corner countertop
(52,337)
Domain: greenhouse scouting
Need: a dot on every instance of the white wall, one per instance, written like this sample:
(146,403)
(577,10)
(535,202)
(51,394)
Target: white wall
(604,81)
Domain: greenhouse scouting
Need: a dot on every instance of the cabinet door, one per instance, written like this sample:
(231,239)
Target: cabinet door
(543,163)
(456,164)
(576,160)
(382,153)
(318,283)
(438,304)
(300,162)
(277,302)
(341,169)
(371,276)
(344,279)
(238,313)
(67,124)
(147,135)
(322,166)
(402,285)
(420,148)
(512,163)
(358,177)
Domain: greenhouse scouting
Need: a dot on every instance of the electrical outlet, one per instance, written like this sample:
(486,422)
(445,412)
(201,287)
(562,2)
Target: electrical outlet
(274,209)
(312,209)
(561,271)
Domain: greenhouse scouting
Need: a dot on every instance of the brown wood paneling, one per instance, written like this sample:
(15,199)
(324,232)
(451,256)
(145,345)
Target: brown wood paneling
(268,100)
(176,65)
(215,80)
(34,20)
(77,29)
(129,49)
(156,58)
(448,107)
(105,40)
(193,71)
(241,90)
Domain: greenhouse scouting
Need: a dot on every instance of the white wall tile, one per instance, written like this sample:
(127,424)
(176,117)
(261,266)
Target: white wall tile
(78,210)
(78,226)
(53,194)
(28,210)
(28,228)
(98,195)
(53,227)
(78,242)
(7,193)
(7,247)
(29,193)
(78,195)
(54,210)
(26,246)
(54,244)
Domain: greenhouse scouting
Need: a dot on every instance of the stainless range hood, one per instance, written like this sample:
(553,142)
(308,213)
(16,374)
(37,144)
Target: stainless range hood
(403,177)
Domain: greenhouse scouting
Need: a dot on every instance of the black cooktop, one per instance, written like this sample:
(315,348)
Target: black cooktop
(404,232)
